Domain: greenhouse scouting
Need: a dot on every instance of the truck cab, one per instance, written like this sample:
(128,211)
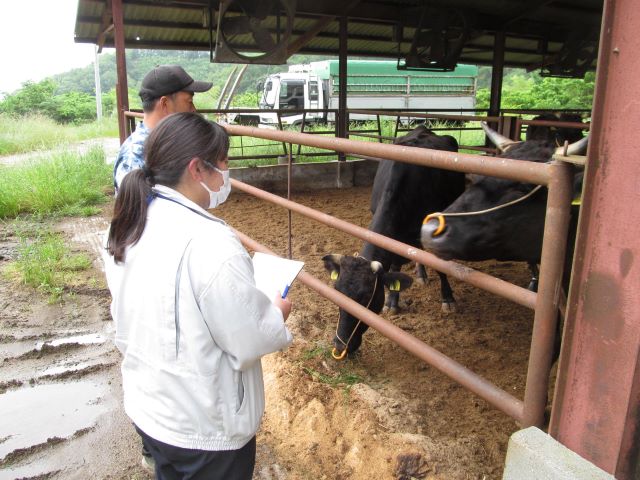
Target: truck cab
(290,91)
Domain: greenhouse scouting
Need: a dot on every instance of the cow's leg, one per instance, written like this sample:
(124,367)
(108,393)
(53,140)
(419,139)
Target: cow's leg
(533,285)
(421,274)
(392,299)
(446,294)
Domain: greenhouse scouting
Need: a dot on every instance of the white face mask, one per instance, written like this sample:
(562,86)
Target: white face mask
(219,197)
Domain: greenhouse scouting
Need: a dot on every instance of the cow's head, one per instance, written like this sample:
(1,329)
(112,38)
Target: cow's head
(363,281)
(554,134)
(510,233)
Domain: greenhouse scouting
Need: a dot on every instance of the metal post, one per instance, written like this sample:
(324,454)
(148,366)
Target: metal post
(342,79)
(496,74)
(556,226)
(290,158)
(96,76)
(122,90)
(597,403)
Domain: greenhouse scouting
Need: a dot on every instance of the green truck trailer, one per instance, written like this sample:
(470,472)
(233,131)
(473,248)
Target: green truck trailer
(371,84)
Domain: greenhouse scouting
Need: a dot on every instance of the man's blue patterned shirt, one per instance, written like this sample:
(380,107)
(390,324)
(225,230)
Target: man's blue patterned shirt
(131,155)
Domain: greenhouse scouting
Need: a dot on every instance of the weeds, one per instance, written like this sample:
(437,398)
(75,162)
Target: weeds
(63,184)
(45,263)
(343,376)
(26,134)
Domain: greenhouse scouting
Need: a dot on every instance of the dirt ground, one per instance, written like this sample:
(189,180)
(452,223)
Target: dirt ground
(383,415)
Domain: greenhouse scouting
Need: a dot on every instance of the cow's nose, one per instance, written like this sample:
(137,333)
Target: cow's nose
(427,233)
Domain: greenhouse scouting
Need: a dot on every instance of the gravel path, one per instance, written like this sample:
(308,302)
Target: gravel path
(110,146)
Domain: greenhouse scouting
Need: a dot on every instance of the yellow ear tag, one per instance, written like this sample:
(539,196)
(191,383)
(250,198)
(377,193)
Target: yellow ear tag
(334,275)
(577,201)
(395,286)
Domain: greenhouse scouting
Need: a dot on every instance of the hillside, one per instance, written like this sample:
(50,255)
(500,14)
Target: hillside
(139,62)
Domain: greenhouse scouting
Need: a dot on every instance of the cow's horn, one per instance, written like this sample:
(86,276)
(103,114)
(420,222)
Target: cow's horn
(376,266)
(576,148)
(499,140)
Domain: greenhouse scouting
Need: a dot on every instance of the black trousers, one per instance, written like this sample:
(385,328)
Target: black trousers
(175,463)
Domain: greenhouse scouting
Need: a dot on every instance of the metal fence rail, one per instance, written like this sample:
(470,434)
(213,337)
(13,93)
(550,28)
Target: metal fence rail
(556,176)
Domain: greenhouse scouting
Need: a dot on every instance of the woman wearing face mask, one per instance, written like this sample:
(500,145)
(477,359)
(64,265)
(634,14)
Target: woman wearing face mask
(190,323)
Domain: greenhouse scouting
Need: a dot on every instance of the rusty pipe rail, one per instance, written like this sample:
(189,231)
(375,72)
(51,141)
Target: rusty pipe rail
(545,304)
(556,228)
(459,373)
(522,171)
(516,294)
(442,116)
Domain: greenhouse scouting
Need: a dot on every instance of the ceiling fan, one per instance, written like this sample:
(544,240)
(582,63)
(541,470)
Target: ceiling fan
(253,31)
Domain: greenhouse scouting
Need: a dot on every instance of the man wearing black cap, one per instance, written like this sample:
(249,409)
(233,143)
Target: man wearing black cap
(165,90)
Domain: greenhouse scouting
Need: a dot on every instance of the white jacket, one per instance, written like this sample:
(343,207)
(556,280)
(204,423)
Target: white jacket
(192,327)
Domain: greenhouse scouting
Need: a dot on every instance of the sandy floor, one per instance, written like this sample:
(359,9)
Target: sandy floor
(60,383)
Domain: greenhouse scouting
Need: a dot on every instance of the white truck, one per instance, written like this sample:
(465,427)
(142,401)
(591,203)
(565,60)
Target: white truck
(371,84)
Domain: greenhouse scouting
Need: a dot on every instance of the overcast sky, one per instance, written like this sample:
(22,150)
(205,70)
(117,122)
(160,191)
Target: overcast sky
(36,41)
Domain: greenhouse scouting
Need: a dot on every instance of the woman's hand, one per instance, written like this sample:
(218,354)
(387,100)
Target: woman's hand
(283,304)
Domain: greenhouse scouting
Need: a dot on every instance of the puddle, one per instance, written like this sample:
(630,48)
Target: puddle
(30,416)
(17,348)
(57,370)
(88,339)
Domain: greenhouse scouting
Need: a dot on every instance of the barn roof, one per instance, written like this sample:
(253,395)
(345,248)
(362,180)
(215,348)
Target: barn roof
(559,35)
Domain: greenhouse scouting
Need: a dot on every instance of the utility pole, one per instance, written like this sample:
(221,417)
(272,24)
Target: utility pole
(96,72)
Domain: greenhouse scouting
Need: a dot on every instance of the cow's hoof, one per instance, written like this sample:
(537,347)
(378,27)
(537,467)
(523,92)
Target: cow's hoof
(392,310)
(421,281)
(449,307)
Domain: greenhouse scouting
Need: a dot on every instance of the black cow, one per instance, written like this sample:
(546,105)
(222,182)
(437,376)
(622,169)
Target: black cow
(513,233)
(401,194)
(555,135)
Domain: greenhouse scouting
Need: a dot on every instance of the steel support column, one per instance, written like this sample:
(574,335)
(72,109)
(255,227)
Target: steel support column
(122,89)
(342,78)
(597,403)
(496,74)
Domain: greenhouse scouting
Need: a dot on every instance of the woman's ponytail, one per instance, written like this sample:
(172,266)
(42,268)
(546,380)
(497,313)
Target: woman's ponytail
(130,212)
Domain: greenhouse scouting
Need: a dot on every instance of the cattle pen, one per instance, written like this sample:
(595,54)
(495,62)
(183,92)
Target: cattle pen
(556,176)
(595,405)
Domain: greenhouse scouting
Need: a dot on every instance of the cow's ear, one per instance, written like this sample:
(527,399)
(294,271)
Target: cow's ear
(396,281)
(332,264)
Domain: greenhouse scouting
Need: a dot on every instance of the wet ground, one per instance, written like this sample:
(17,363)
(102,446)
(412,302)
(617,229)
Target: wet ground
(60,391)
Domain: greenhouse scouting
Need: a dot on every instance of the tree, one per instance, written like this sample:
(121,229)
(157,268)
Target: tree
(31,98)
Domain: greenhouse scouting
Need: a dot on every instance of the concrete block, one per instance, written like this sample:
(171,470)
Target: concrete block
(308,176)
(534,455)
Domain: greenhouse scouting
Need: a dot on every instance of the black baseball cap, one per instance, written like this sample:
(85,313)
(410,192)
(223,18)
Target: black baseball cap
(168,79)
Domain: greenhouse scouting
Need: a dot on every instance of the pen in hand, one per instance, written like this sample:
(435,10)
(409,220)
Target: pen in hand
(286,290)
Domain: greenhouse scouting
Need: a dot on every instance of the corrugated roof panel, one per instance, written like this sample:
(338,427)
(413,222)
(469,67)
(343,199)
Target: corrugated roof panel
(371,30)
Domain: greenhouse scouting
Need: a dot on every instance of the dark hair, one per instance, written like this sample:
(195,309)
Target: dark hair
(172,144)
(149,103)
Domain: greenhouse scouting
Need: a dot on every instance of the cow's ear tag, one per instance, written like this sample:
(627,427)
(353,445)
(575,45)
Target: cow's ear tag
(334,275)
(395,286)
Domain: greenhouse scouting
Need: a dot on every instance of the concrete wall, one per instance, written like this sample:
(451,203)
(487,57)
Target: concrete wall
(308,176)
(534,455)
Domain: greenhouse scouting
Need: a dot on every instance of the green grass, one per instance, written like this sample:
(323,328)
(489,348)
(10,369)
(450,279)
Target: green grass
(27,134)
(61,184)
(341,374)
(44,262)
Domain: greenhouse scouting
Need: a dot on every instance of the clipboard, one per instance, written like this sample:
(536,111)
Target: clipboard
(274,274)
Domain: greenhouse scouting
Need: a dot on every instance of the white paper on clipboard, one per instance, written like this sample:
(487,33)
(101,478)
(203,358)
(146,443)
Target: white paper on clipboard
(273,274)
